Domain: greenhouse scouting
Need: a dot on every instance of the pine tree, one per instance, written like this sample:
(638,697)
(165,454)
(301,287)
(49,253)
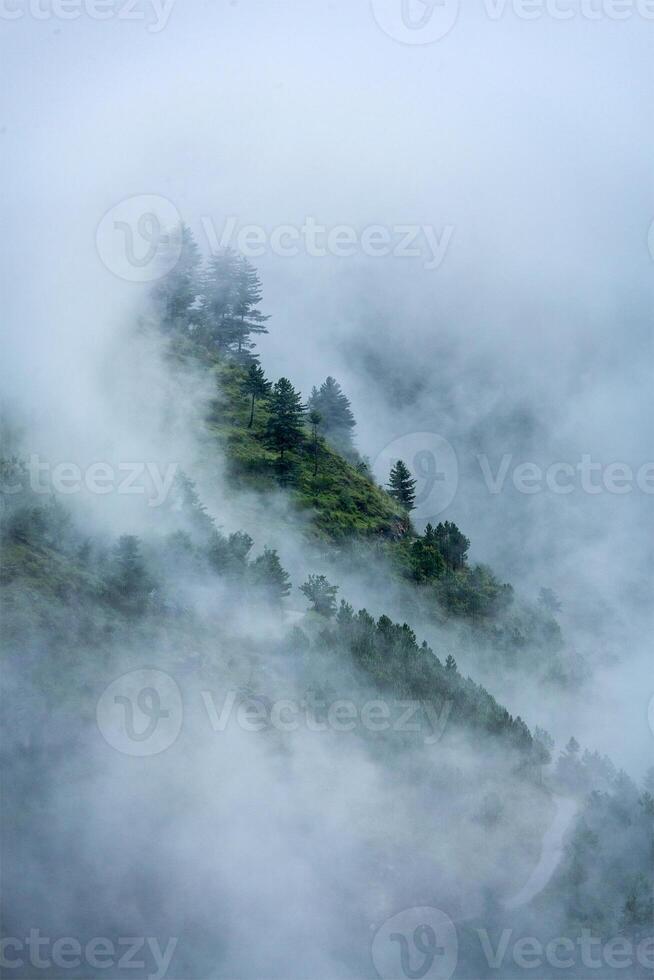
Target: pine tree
(284,429)
(129,584)
(268,575)
(427,563)
(257,386)
(402,487)
(186,500)
(337,418)
(231,294)
(452,544)
(228,556)
(178,290)
(248,319)
(321,593)
(219,328)
(315,418)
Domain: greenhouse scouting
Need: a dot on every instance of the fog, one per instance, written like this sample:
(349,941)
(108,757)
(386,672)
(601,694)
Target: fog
(521,151)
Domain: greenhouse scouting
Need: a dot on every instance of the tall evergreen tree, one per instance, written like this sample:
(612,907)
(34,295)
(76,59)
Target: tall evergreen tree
(452,544)
(219,328)
(321,593)
(229,555)
(315,418)
(284,430)
(177,292)
(337,418)
(231,294)
(128,584)
(427,563)
(186,500)
(269,577)
(257,386)
(248,319)
(402,486)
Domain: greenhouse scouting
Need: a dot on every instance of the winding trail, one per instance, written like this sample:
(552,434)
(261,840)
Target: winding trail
(550,856)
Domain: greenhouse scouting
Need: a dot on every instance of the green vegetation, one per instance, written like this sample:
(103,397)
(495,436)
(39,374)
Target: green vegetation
(336,416)
(269,439)
(321,594)
(402,486)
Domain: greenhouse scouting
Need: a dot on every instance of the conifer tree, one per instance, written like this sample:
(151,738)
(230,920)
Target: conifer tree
(427,563)
(231,294)
(268,575)
(321,593)
(402,487)
(452,544)
(257,386)
(337,418)
(284,430)
(229,555)
(129,584)
(248,319)
(315,418)
(177,292)
(186,500)
(219,298)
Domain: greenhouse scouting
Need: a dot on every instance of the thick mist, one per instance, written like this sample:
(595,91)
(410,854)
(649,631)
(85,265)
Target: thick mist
(521,330)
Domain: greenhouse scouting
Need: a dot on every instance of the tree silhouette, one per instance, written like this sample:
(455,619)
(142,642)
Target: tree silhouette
(268,575)
(321,593)
(402,487)
(257,386)
(337,418)
(315,418)
(284,430)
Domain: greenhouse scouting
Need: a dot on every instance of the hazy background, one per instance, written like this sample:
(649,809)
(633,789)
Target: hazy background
(532,139)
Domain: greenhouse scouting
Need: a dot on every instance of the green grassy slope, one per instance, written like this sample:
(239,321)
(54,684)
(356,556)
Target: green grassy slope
(342,499)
